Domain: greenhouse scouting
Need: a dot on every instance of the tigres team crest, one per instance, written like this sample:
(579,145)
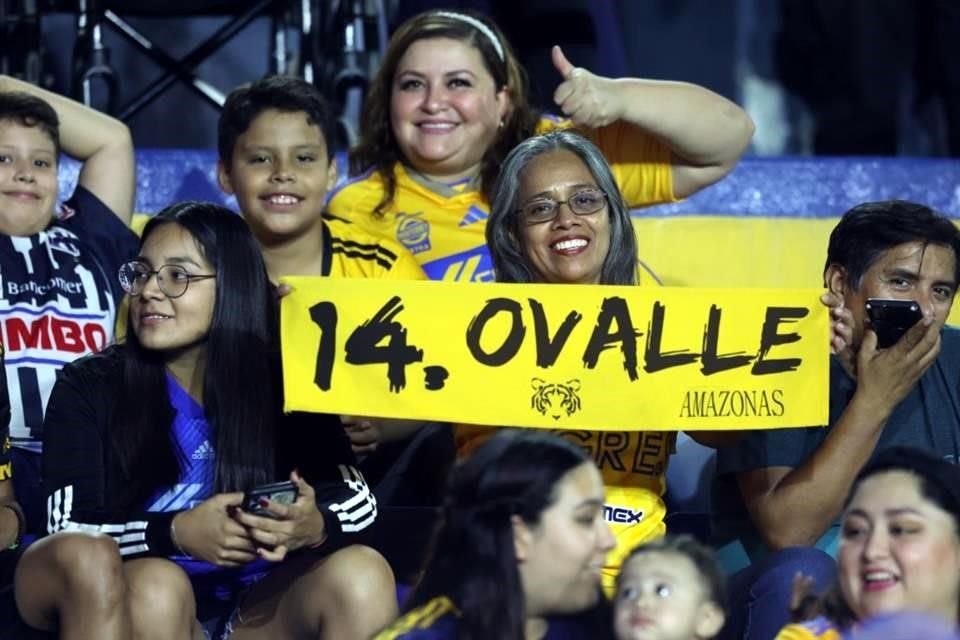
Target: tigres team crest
(554,399)
(413,232)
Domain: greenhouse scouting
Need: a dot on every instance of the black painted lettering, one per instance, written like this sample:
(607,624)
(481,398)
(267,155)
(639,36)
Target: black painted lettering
(711,362)
(770,337)
(511,345)
(549,348)
(363,346)
(653,357)
(613,310)
(324,315)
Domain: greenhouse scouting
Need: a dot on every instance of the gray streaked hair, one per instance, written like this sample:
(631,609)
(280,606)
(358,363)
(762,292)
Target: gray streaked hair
(503,228)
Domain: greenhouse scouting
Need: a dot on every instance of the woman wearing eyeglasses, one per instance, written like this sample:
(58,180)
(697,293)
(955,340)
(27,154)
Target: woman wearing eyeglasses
(150,446)
(558,217)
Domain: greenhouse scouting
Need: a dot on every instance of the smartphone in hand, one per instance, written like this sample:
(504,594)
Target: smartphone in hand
(280,492)
(891,318)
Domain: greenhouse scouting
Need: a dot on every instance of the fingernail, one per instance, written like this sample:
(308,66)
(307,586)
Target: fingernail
(263,502)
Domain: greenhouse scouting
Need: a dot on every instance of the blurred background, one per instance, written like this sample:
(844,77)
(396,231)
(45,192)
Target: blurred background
(824,77)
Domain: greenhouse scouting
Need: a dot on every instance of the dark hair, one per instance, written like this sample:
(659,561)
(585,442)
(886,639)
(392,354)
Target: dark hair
(30,111)
(939,483)
(378,148)
(241,396)
(939,479)
(503,227)
(869,229)
(702,557)
(283,93)
(472,558)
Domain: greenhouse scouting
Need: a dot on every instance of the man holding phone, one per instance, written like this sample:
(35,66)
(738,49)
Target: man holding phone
(793,481)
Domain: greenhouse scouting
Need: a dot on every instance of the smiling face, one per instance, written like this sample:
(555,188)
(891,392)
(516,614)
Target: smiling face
(569,249)
(280,175)
(661,596)
(445,109)
(908,271)
(28,179)
(561,556)
(899,550)
(177,326)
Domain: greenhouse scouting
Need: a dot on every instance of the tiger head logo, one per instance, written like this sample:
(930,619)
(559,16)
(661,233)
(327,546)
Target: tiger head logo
(555,399)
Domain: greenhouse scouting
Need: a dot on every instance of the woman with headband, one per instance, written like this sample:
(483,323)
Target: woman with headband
(450,101)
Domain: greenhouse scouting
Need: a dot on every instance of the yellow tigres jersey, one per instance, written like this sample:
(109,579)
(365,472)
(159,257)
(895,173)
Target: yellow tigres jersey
(634,468)
(445,227)
(819,629)
(351,252)
(423,621)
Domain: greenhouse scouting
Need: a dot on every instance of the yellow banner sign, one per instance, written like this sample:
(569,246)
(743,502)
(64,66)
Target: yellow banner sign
(557,356)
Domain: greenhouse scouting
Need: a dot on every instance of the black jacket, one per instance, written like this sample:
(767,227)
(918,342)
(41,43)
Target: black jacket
(83,479)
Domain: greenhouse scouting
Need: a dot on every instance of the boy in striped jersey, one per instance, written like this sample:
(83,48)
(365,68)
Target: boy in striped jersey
(276,157)
(275,142)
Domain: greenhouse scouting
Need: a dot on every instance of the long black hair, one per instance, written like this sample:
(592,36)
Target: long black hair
(241,398)
(473,559)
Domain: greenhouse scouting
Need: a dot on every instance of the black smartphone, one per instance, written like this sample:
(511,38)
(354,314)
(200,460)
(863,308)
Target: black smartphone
(280,492)
(890,319)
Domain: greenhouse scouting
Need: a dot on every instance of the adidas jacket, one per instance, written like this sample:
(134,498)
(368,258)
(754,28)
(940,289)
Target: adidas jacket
(82,476)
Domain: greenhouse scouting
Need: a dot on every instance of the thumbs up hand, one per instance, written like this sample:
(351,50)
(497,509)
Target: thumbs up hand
(587,99)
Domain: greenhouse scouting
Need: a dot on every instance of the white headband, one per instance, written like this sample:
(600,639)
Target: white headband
(476,24)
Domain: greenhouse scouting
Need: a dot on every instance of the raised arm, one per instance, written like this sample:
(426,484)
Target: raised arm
(795,506)
(101,142)
(706,133)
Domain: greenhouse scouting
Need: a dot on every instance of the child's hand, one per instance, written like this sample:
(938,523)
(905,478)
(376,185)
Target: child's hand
(803,602)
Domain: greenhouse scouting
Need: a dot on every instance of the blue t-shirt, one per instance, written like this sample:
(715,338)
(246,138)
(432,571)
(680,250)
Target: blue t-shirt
(194,438)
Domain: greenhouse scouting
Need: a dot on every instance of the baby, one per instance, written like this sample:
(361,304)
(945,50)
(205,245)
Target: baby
(669,589)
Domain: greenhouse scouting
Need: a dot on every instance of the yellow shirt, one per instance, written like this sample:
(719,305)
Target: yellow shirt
(817,629)
(437,615)
(351,252)
(444,226)
(634,467)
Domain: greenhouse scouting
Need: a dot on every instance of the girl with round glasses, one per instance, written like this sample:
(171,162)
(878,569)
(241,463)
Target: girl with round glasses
(151,444)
